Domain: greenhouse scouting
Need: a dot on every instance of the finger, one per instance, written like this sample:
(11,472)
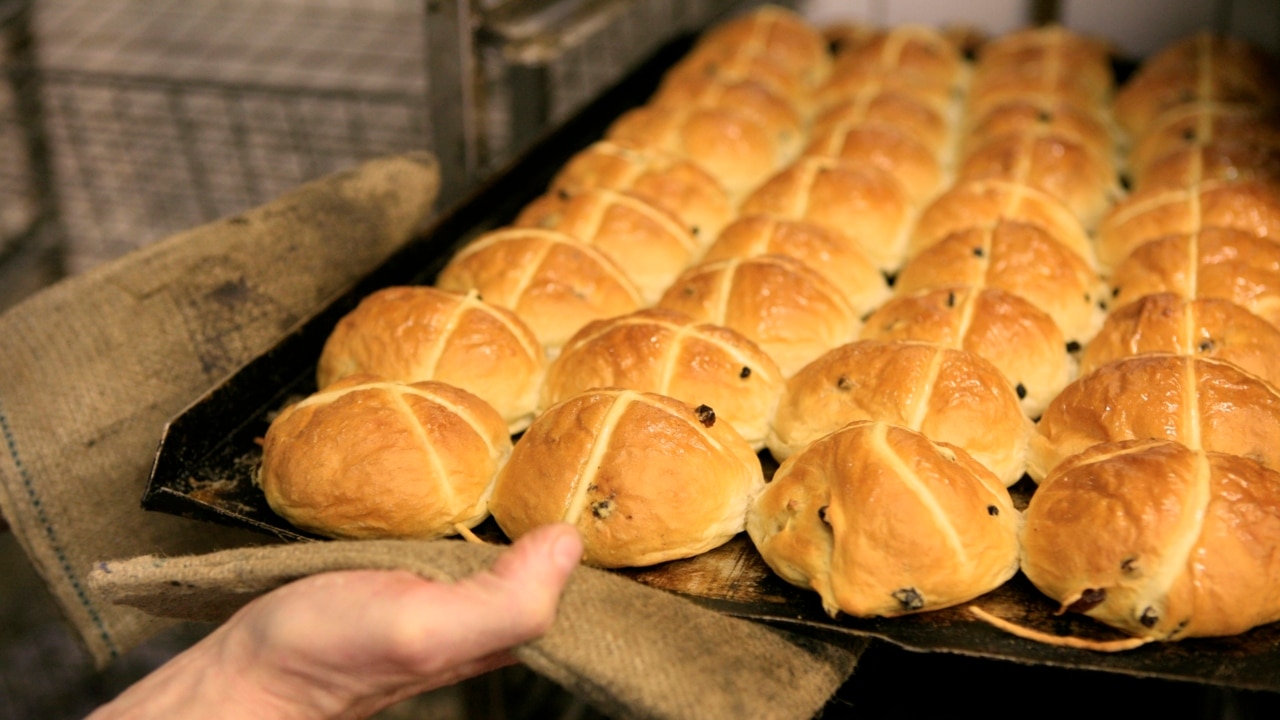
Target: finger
(513,602)
(532,573)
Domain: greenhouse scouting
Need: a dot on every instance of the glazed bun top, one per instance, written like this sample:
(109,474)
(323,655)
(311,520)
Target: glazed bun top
(1202,403)
(666,352)
(1157,539)
(882,521)
(952,396)
(411,334)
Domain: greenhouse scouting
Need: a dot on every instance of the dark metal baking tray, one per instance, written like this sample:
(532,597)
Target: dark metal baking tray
(208,455)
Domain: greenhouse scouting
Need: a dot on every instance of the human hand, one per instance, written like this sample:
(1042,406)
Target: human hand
(347,644)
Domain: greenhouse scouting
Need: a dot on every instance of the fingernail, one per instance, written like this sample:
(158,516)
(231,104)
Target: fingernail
(567,550)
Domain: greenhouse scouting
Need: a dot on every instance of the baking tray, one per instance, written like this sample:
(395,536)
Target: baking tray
(208,455)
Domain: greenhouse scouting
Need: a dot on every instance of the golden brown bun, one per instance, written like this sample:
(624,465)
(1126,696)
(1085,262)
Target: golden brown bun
(735,149)
(882,106)
(864,203)
(1083,180)
(1079,54)
(666,352)
(1169,323)
(830,253)
(672,183)
(368,458)
(879,520)
(745,96)
(1022,259)
(790,310)
(556,284)
(1158,540)
(1196,69)
(742,67)
(979,203)
(999,86)
(850,82)
(917,52)
(951,396)
(908,160)
(645,478)
(410,334)
(650,244)
(1155,212)
(1220,160)
(1205,404)
(1050,60)
(1213,263)
(771,33)
(1020,340)
(1202,123)
(1041,115)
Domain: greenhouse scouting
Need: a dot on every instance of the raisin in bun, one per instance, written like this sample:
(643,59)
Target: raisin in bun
(368,458)
(644,477)
(1207,327)
(1020,340)
(650,244)
(1203,403)
(1215,262)
(881,521)
(787,308)
(1040,114)
(1020,258)
(1158,540)
(410,334)
(830,253)
(979,203)
(554,282)
(952,396)
(666,352)
(1203,123)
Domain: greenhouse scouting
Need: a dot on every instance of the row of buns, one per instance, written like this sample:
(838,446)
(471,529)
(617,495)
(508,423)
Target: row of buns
(1156,510)
(895,268)
(905,441)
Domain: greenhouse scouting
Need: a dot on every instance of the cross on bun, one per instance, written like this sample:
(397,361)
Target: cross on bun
(410,334)
(553,281)
(644,477)
(881,520)
(1157,539)
(666,352)
(1203,403)
(950,395)
(1207,327)
(368,458)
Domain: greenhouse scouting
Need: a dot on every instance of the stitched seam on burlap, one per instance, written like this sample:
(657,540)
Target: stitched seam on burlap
(36,504)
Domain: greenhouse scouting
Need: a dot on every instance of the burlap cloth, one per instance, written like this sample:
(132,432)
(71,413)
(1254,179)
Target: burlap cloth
(93,367)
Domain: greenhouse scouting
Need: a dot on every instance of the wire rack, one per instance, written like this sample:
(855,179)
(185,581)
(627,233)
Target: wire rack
(164,114)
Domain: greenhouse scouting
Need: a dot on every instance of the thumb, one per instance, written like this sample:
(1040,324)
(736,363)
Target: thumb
(524,585)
